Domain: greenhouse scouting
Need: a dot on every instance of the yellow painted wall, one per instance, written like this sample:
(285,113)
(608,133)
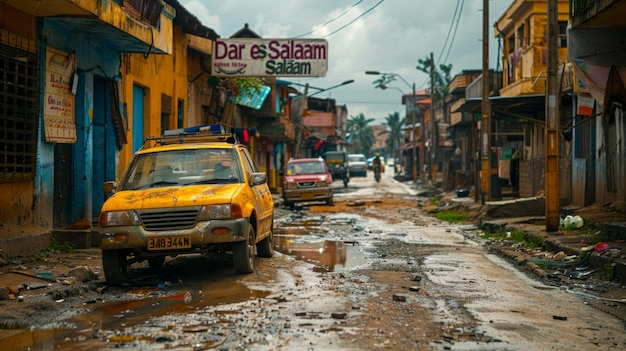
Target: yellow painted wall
(531,64)
(157,74)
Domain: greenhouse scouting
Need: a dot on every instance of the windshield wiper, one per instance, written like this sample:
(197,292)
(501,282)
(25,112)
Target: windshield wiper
(157,184)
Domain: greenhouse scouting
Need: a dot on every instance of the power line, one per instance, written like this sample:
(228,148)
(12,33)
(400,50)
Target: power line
(445,43)
(354,20)
(455,28)
(331,21)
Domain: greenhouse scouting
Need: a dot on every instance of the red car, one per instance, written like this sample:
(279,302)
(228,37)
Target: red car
(307,180)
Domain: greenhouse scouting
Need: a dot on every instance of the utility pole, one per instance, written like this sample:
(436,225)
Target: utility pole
(552,125)
(300,124)
(431,123)
(485,146)
(414,134)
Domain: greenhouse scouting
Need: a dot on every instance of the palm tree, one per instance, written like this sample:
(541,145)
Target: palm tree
(362,134)
(394,128)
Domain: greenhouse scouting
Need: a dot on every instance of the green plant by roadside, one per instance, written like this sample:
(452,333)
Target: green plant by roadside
(515,235)
(451,216)
(608,271)
(55,247)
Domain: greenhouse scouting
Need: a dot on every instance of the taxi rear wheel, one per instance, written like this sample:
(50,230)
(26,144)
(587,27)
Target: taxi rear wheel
(243,253)
(115,266)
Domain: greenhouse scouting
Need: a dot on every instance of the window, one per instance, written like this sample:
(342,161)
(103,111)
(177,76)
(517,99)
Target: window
(166,111)
(521,38)
(19,106)
(511,44)
(562,40)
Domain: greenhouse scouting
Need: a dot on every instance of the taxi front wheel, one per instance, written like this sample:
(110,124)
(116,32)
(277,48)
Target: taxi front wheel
(243,253)
(265,247)
(115,266)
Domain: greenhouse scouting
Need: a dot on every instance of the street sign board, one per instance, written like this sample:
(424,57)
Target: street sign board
(233,57)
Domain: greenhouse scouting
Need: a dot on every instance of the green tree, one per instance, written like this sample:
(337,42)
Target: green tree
(362,133)
(441,77)
(394,128)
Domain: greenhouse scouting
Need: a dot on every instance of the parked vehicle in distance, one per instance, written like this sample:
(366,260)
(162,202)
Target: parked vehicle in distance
(337,162)
(183,194)
(307,180)
(357,165)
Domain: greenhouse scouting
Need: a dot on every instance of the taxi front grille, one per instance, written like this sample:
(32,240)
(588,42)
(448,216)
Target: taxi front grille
(168,220)
(306,184)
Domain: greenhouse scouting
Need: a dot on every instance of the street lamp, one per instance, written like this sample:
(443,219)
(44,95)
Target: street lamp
(333,87)
(304,107)
(389,77)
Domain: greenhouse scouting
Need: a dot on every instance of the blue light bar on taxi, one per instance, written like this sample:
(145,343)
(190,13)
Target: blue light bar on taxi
(211,129)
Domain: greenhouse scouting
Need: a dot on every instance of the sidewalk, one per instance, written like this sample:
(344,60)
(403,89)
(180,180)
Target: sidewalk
(601,240)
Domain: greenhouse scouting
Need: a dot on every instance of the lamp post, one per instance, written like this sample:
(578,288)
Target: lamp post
(390,77)
(304,107)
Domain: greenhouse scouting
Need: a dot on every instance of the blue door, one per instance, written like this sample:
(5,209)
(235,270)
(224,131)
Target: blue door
(138,111)
(104,142)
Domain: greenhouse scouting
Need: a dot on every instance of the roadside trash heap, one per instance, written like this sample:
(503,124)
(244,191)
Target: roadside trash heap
(572,222)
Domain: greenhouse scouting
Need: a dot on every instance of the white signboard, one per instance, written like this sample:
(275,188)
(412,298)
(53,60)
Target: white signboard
(234,57)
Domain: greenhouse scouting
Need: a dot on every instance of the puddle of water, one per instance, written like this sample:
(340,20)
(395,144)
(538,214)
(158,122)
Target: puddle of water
(116,315)
(325,255)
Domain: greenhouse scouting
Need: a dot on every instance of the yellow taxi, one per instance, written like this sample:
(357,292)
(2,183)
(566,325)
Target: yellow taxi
(186,193)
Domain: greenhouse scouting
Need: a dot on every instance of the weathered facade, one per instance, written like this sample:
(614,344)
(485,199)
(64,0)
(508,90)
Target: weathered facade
(598,54)
(62,108)
(519,141)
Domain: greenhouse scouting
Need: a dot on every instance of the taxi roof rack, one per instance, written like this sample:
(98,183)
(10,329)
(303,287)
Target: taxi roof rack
(206,133)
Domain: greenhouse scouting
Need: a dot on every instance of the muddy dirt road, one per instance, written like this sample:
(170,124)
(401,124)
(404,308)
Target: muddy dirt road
(372,272)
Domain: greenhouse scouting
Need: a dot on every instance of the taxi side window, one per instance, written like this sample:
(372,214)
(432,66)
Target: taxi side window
(249,166)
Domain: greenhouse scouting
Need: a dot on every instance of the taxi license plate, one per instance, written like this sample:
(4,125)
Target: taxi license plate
(307,196)
(169,242)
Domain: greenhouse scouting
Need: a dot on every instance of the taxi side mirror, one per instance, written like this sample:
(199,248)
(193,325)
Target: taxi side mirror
(109,187)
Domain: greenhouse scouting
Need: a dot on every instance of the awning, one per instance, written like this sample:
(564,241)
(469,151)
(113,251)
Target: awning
(526,107)
(252,99)
(526,104)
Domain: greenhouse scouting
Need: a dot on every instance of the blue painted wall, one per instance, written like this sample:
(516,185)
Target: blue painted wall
(93,60)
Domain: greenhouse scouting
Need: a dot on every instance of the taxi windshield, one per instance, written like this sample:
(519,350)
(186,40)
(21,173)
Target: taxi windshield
(316,167)
(182,167)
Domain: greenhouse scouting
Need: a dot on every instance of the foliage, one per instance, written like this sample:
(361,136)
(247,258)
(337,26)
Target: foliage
(241,84)
(394,128)
(55,247)
(362,133)
(515,235)
(441,77)
(608,271)
(451,216)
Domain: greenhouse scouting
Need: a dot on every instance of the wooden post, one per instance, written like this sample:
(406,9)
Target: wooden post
(485,144)
(552,125)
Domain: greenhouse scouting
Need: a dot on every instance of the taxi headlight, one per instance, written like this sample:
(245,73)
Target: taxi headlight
(225,211)
(322,183)
(118,218)
(291,186)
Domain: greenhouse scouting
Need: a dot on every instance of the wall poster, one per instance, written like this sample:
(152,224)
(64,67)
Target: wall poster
(59,119)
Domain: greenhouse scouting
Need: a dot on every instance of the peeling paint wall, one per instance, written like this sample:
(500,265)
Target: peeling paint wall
(93,60)
(160,75)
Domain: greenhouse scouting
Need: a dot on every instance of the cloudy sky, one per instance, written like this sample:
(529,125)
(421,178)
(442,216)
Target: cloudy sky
(380,35)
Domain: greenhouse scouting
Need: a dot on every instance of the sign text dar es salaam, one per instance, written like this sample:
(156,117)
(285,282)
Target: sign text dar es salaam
(270,57)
